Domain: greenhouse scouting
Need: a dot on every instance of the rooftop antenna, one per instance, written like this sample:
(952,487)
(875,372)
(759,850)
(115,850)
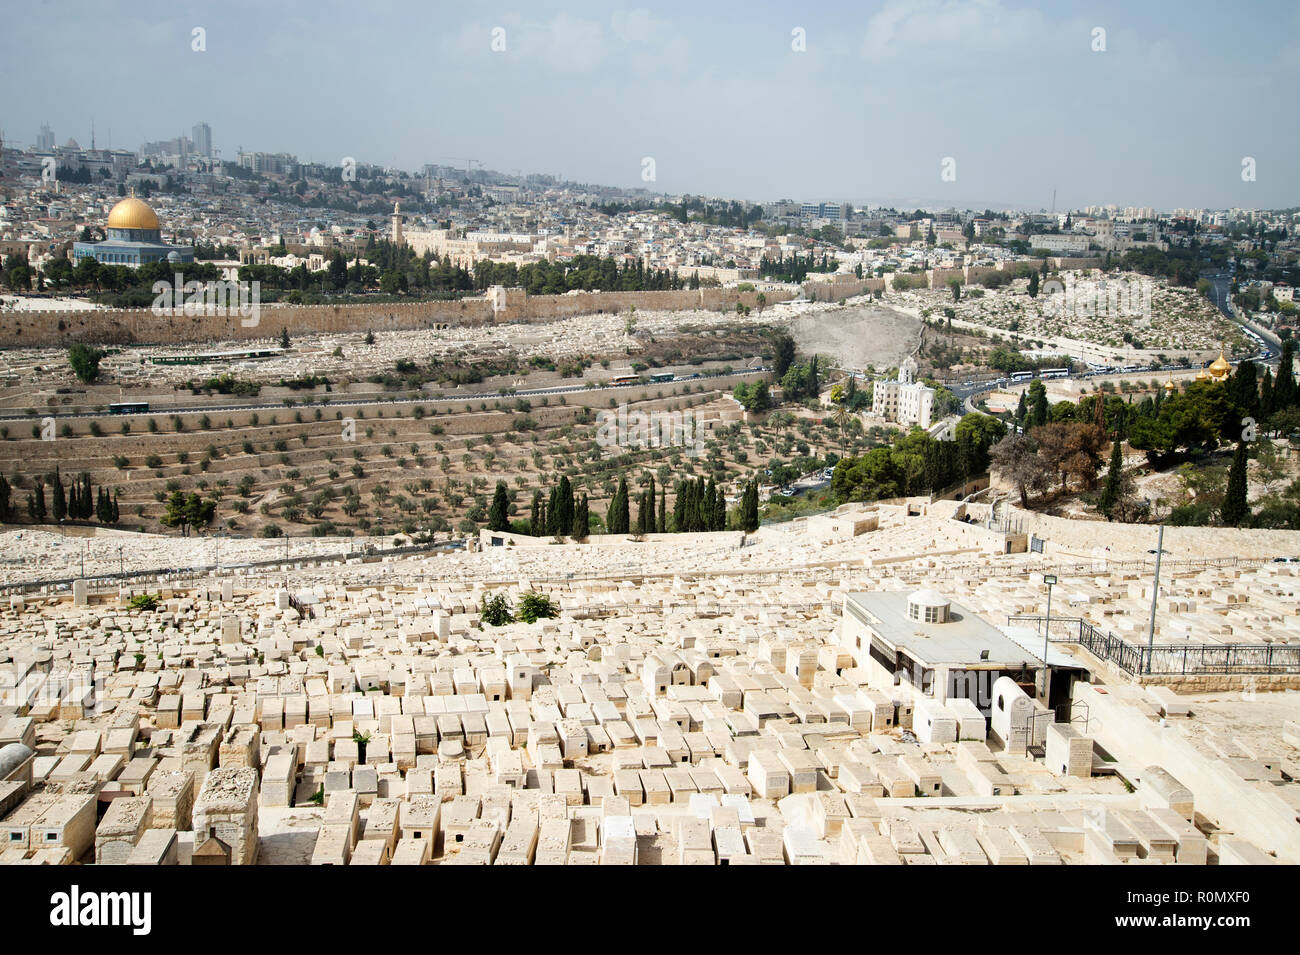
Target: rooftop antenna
(92,132)
(1053,201)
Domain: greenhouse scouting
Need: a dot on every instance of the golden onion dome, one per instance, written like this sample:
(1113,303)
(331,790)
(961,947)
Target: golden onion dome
(1220,366)
(133,213)
(1170,386)
(1202,375)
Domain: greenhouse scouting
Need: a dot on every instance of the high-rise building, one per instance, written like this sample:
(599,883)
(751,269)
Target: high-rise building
(45,141)
(202,139)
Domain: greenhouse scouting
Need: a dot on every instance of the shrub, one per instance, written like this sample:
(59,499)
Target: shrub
(494,609)
(534,606)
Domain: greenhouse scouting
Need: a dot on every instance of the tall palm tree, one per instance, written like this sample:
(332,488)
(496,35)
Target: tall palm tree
(841,416)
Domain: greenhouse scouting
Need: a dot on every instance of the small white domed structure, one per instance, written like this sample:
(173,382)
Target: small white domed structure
(928,606)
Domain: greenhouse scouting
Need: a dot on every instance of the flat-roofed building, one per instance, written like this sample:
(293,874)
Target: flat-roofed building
(931,646)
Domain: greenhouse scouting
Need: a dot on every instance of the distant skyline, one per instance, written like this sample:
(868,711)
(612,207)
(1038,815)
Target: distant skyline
(715,94)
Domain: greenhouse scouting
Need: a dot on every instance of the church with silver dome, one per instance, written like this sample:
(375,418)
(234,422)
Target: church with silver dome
(134,238)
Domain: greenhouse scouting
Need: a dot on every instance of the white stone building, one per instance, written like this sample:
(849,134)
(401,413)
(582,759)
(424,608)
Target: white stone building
(905,401)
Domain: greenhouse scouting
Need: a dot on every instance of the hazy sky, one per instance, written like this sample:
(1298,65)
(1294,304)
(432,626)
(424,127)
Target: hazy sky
(714,92)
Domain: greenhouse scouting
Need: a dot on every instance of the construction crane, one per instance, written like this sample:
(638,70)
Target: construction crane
(469,165)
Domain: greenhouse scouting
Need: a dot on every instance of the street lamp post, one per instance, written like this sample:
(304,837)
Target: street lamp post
(1050,580)
(1155,593)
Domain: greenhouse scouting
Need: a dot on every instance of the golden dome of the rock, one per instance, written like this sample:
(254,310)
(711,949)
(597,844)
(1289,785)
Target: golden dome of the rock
(133,213)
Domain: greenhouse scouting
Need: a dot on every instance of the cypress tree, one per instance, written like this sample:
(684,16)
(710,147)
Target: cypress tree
(1266,407)
(1235,509)
(749,508)
(581,519)
(679,508)
(643,513)
(115,513)
(564,494)
(1243,389)
(60,500)
(499,512)
(624,504)
(537,520)
(616,518)
(1284,387)
(663,515)
(38,505)
(1039,408)
(1110,493)
(650,507)
(553,512)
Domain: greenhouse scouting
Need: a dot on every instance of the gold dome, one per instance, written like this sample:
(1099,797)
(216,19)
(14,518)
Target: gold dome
(1202,375)
(1170,386)
(133,213)
(1220,367)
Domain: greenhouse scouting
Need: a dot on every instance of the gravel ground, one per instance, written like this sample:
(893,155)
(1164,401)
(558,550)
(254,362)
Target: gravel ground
(858,335)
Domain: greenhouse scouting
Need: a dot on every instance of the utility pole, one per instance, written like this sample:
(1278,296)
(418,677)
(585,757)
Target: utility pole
(1155,593)
(1050,580)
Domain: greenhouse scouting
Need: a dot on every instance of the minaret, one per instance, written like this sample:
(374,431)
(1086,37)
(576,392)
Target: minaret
(397,224)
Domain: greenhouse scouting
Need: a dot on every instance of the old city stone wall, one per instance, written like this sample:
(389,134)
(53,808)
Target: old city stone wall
(143,326)
(55,329)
